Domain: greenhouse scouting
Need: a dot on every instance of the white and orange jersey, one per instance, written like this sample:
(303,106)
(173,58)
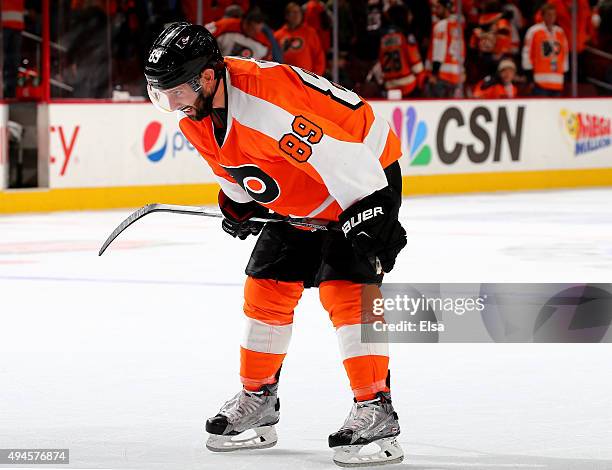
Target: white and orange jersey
(448,48)
(546,52)
(400,61)
(233,41)
(295,142)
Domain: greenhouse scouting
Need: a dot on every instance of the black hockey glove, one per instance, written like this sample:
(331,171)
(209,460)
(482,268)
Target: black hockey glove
(236,217)
(372,226)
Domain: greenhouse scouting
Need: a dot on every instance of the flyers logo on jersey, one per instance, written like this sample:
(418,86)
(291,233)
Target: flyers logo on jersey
(258,184)
(293,43)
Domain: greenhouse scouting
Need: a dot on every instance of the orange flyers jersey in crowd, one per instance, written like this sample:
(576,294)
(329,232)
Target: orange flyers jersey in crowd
(546,53)
(492,89)
(584,27)
(400,61)
(295,142)
(233,41)
(448,48)
(302,48)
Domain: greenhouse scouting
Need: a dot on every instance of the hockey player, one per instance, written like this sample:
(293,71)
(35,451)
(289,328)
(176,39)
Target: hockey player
(283,139)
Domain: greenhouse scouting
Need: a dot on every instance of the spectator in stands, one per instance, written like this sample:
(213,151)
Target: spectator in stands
(300,42)
(233,11)
(564,20)
(317,16)
(499,86)
(212,10)
(243,37)
(13,23)
(399,59)
(492,38)
(545,54)
(584,27)
(447,53)
(517,23)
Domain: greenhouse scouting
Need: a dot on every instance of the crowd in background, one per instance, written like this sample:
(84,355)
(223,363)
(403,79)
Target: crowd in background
(387,48)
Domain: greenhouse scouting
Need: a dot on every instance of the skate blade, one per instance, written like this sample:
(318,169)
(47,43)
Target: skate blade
(390,453)
(264,438)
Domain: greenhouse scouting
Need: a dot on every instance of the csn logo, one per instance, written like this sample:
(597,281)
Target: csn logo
(481,135)
(155,142)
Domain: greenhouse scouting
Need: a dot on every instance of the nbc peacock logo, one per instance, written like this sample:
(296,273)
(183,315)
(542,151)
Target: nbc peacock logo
(418,152)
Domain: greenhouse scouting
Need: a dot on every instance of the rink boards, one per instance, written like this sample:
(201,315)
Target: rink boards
(122,155)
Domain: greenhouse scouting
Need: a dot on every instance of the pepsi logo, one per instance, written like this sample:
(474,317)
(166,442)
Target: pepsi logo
(154,141)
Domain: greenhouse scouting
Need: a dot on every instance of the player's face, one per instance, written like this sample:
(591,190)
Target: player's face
(193,98)
(182,97)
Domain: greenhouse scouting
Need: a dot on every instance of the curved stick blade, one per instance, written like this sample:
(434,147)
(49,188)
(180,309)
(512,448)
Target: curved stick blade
(133,217)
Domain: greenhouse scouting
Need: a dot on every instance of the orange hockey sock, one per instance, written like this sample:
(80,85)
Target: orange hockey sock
(366,364)
(268,306)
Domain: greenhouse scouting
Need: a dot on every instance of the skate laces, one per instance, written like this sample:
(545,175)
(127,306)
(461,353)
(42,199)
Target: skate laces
(242,404)
(362,416)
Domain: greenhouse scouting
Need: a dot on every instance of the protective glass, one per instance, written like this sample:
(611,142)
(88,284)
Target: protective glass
(174,98)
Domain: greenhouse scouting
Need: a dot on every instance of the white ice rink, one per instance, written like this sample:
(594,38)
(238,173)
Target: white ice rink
(121,358)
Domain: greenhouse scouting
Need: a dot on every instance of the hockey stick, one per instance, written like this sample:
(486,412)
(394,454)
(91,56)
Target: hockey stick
(314,224)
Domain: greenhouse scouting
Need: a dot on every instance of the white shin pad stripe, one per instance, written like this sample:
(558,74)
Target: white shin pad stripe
(261,337)
(349,340)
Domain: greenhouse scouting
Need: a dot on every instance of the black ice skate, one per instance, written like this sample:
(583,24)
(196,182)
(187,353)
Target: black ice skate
(371,421)
(245,422)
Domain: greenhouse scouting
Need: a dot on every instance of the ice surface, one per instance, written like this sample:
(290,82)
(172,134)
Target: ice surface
(121,358)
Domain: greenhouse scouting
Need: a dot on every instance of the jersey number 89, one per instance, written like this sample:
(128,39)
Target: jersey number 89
(298,144)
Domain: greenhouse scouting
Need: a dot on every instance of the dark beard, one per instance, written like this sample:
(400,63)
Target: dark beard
(202,106)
